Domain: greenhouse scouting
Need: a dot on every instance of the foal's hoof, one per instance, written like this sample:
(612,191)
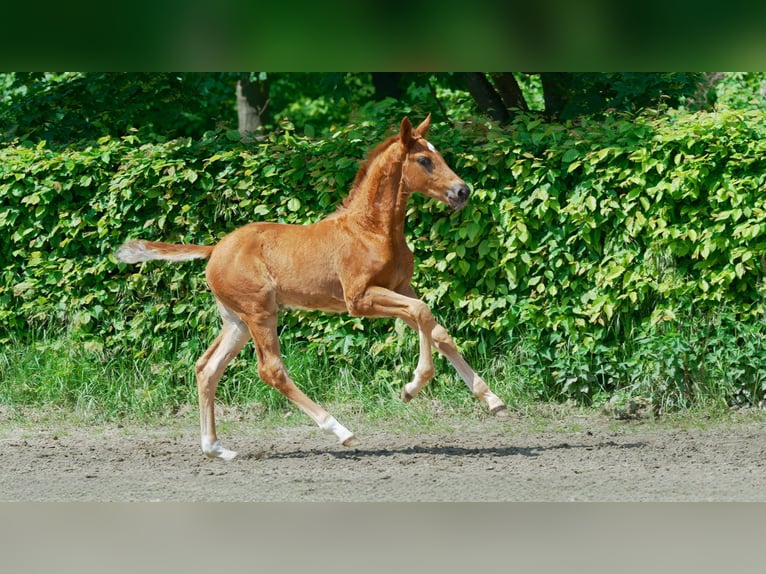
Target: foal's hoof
(350,441)
(215,450)
(406,397)
(227,454)
(501,412)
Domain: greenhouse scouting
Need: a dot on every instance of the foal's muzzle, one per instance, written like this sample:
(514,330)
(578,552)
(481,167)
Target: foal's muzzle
(457,195)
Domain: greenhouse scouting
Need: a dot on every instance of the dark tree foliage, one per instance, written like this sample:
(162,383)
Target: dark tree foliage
(69,107)
(62,108)
(569,95)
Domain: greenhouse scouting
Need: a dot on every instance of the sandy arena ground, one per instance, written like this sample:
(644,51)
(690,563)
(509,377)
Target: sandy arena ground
(578,458)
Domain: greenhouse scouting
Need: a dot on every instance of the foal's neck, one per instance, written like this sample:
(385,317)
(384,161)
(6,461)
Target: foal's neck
(379,201)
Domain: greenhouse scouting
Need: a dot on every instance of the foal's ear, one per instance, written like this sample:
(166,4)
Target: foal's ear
(422,129)
(405,135)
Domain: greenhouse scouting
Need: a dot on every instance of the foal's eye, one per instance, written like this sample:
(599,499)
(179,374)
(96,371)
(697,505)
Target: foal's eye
(425,161)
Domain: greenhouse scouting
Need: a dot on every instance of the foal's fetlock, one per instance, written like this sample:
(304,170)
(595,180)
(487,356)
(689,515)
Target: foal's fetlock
(345,436)
(410,391)
(420,379)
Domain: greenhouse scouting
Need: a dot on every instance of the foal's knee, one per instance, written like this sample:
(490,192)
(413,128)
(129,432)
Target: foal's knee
(424,318)
(442,340)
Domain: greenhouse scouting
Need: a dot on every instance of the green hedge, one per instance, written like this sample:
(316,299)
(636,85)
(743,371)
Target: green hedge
(586,243)
(619,236)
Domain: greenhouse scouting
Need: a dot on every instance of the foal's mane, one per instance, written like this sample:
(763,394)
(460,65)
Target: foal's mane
(364,169)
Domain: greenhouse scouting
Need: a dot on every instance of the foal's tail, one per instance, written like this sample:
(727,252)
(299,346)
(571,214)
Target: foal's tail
(136,251)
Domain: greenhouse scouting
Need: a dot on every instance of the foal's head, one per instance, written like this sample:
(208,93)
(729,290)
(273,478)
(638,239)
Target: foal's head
(424,169)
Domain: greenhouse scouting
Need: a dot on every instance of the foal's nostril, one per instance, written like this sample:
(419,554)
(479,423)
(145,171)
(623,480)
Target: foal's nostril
(463,192)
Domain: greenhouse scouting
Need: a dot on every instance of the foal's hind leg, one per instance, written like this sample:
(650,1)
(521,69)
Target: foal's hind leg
(209,369)
(273,372)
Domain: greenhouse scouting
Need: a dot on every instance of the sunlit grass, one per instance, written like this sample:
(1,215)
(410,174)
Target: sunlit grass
(58,373)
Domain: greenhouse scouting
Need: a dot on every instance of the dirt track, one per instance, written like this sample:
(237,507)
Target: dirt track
(582,458)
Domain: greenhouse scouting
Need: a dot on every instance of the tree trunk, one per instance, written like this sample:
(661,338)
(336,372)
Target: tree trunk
(486,97)
(555,92)
(510,91)
(252,99)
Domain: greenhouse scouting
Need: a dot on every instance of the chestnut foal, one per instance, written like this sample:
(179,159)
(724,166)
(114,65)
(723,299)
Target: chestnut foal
(355,261)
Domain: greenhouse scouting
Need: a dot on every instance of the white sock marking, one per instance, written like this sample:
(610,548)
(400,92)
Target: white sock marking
(215,450)
(332,425)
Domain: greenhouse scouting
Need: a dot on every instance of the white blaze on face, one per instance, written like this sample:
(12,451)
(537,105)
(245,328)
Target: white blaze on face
(430,147)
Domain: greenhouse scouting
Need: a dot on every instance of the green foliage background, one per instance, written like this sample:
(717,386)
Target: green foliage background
(624,254)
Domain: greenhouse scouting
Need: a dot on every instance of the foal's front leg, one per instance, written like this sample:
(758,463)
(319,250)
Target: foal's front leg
(443,343)
(381,302)
(446,346)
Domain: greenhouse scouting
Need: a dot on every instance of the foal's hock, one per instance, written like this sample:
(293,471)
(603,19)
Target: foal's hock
(356,260)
